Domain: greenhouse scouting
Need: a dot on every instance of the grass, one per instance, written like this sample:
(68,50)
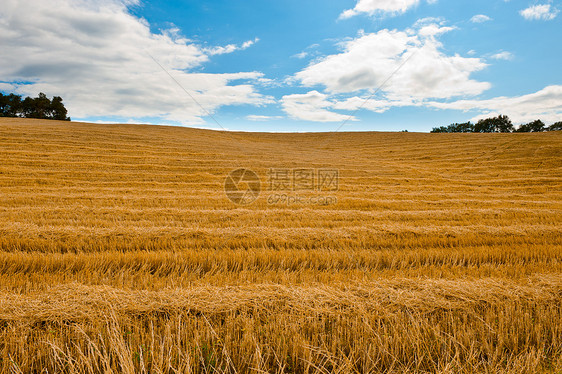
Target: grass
(120,253)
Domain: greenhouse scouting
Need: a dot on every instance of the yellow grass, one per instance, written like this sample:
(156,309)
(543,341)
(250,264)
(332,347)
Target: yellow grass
(120,253)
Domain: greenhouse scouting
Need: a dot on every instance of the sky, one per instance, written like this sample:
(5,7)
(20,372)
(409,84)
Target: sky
(287,65)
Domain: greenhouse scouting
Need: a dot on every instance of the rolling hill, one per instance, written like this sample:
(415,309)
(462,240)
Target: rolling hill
(362,252)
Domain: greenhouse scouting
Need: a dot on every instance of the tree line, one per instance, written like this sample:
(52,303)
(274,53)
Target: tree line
(39,107)
(500,123)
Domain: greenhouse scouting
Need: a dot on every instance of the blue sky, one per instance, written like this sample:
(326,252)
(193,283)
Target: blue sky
(288,65)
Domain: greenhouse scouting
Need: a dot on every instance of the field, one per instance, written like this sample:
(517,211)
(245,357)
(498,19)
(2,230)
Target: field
(121,253)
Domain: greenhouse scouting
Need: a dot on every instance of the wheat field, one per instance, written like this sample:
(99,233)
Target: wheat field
(121,252)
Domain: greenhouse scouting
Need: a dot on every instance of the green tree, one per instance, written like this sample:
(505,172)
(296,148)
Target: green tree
(503,124)
(28,108)
(57,109)
(39,107)
(455,127)
(10,105)
(440,129)
(461,127)
(485,125)
(535,126)
(3,104)
(500,123)
(555,126)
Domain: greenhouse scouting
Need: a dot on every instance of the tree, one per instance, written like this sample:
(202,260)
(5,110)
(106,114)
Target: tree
(455,127)
(500,123)
(10,105)
(439,129)
(57,109)
(535,126)
(3,103)
(39,107)
(484,125)
(28,108)
(503,124)
(461,127)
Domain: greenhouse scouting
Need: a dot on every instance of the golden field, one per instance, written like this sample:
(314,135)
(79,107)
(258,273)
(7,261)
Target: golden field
(121,253)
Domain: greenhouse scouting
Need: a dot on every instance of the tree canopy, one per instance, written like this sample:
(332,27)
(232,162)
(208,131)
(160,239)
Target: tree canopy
(535,126)
(495,124)
(456,127)
(39,107)
(500,123)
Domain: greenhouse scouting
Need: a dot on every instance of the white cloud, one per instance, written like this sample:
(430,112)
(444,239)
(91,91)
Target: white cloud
(433,30)
(380,7)
(259,118)
(375,105)
(96,55)
(480,18)
(7,87)
(249,43)
(220,50)
(301,55)
(428,21)
(503,56)
(370,59)
(545,104)
(311,106)
(310,51)
(539,12)
(430,79)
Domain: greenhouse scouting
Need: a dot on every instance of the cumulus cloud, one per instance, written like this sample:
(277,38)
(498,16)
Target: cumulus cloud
(539,12)
(480,18)
(311,106)
(413,59)
(370,59)
(545,104)
(380,7)
(97,56)
(430,79)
